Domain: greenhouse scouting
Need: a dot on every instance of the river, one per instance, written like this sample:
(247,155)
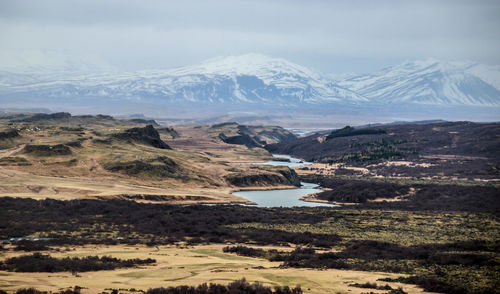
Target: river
(283,198)
(287,197)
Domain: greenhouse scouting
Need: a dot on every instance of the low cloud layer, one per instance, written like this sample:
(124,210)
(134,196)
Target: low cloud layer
(331,36)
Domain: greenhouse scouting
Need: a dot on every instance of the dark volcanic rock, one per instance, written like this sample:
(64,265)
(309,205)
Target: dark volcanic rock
(285,177)
(242,139)
(251,136)
(147,136)
(291,176)
(47,150)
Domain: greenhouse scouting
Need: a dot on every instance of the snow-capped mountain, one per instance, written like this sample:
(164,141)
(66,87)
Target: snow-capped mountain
(430,82)
(250,78)
(253,79)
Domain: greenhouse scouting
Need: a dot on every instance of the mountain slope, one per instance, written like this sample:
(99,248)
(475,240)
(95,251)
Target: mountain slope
(430,82)
(252,80)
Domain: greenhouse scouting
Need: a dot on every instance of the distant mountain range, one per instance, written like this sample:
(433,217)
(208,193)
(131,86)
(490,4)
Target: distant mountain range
(430,82)
(254,79)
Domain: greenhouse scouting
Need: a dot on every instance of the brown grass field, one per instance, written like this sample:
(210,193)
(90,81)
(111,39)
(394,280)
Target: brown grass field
(192,265)
(203,160)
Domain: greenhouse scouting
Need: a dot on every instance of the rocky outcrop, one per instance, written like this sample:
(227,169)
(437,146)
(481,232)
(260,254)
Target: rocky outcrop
(241,139)
(171,133)
(251,136)
(147,136)
(290,175)
(283,176)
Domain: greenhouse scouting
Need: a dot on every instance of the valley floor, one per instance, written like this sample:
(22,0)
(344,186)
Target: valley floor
(189,265)
(86,186)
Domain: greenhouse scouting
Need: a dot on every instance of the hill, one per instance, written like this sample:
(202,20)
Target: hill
(451,149)
(63,156)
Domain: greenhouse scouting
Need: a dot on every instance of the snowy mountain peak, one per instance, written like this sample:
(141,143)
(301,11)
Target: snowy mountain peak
(255,79)
(430,81)
(247,64)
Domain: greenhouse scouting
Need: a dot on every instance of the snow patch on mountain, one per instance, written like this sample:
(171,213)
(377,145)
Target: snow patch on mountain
(430,82)
(251,78)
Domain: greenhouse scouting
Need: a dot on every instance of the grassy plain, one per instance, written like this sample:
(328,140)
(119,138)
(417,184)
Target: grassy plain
(191,265)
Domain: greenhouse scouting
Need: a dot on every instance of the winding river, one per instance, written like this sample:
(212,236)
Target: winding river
(287,197)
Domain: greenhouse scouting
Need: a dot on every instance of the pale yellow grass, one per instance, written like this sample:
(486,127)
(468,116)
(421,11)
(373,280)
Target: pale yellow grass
(189,266)
(202,157)
(22,184)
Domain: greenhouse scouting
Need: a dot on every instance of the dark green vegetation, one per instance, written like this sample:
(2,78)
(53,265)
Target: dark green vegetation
(457,250)
(14,160)
(371,286)
(87,221)
(76,290)
(7,138)
(469,267)
(8,134)
(156,168)
(348,131)
(38,262)
(47,150)
(235,287)
(451,149)
(411,195)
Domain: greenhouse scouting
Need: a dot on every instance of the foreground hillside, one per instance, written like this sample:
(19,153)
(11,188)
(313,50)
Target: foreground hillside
(66,157)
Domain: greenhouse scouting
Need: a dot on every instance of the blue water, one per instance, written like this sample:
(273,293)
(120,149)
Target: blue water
(283,198)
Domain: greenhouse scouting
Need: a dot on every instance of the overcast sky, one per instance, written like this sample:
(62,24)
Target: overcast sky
(330,36)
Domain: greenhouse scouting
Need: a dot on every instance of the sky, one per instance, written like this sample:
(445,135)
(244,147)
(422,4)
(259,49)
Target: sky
(350,36)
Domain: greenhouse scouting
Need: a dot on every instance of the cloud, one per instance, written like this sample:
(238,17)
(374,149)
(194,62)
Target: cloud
(346,34)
